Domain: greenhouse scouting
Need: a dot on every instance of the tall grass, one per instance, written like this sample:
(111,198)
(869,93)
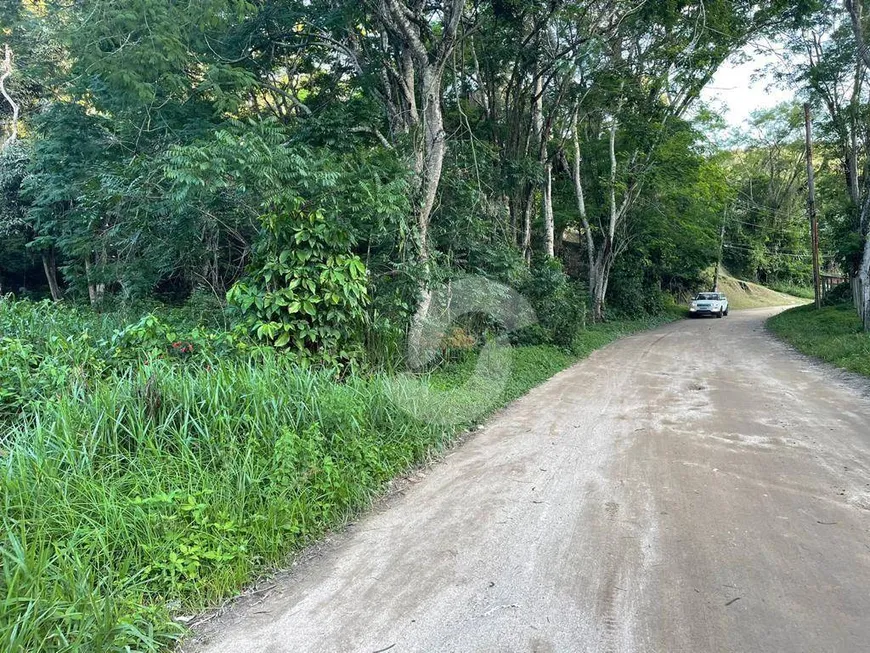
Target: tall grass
(170,488)
(148,491)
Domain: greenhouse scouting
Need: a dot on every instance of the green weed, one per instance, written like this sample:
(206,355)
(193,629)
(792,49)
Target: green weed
(134,488)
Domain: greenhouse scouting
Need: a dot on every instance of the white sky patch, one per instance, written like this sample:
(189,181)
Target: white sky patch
(741,85)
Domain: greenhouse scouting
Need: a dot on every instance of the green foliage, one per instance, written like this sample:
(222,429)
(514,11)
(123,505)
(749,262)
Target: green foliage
(804,292)
(834,334)
(675,225)
(839,294)
(766,227)
(304,289)
(42,354)
(635,293)
(205,474)
(47,352)
(152,338)
(558,302)
(164,129)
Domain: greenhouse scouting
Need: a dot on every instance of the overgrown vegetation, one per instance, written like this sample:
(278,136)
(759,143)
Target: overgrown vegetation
(152,137)
(804,292)
(148,470)
(834,334)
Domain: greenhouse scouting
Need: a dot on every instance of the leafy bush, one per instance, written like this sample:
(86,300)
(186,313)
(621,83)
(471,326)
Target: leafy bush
(632,294)
(558,302)
(152,338)
(304,289)
(839,294)
(46,350)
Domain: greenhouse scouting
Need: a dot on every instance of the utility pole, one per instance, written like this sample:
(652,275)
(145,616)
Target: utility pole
(721,252)
(811,205)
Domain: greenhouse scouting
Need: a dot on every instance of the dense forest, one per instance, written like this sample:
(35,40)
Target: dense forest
(223,223)
(160,150)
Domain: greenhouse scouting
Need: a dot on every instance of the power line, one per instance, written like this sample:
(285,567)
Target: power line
(773,253)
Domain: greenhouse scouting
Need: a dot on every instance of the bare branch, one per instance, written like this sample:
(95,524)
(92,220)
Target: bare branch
(374,132)
(7,72)
(854,10)
(288,96)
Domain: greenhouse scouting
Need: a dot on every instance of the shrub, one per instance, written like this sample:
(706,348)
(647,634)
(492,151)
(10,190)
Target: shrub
(304,289)
(559,304)
(152,338)
(633,294)
(839,294)
(46,349)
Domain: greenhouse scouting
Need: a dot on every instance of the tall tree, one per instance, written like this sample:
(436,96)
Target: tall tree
(856,11)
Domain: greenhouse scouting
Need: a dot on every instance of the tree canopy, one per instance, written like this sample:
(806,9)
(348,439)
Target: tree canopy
(152,139)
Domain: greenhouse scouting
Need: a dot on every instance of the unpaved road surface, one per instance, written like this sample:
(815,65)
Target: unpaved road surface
(696,488)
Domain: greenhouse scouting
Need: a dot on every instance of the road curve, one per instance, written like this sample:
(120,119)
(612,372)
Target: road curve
(696,488)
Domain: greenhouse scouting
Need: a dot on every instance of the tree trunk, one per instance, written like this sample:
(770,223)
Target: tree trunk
(6,73)
(581,198)
(855,14)
(864,278)
(423,58)
(528,210)
(538,122)
(856,17)
(599,279)
(92,291)
(599,262)
(549,227)
(434,149)
(101,285)
(50,267)
(599,290)
(852,178)
(600,274)
(864,269)
(95,290)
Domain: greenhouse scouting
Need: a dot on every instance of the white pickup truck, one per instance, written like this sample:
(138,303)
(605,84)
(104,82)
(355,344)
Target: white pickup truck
(709,303)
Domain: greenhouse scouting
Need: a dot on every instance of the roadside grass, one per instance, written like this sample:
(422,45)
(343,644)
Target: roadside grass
(804,292)
(833,334)
(137,492)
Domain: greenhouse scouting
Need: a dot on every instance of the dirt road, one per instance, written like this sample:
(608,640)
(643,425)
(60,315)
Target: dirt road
(696,488)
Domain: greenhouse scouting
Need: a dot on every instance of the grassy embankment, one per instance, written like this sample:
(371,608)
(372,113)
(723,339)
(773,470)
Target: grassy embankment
(147,471)
(745,294)
(833,334)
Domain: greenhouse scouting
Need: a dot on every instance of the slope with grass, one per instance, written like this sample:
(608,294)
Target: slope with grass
(833,334)
(151,471)
(745,295)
